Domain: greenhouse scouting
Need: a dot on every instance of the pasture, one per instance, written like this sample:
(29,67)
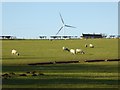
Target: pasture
(74,75)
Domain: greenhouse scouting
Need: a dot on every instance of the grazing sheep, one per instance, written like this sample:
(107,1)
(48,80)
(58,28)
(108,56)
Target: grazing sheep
(91,46)
(80,51)
(65,48)
(72,51)
(14,52)
(85,45)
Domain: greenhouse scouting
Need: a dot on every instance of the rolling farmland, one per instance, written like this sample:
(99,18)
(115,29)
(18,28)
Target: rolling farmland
(73,75)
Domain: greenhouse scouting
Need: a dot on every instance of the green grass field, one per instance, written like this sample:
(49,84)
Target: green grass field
(79,75)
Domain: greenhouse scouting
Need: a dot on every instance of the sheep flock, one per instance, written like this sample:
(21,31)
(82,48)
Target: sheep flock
(78,50)
(74,51)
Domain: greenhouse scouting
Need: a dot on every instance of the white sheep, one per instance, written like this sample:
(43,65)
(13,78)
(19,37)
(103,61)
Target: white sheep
(14,52)
(91,45)
(73,51)
(65,48)
(80,51)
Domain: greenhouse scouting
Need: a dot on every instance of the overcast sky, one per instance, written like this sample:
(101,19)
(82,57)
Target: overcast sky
(32,19)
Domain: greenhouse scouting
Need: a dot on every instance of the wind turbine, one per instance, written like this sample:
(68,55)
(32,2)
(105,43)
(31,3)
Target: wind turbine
(64,25)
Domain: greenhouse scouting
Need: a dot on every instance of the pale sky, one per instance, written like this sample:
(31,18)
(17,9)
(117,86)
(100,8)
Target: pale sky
(32,19)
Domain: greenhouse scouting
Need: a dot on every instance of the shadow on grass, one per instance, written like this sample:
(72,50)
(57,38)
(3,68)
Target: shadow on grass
(61,80)
(64,68)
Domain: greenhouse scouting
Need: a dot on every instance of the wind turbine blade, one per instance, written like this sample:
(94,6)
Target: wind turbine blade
(61,18)
(70,26)
(59,30)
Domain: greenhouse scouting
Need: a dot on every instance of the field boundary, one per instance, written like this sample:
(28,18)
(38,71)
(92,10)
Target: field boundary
(73,61)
